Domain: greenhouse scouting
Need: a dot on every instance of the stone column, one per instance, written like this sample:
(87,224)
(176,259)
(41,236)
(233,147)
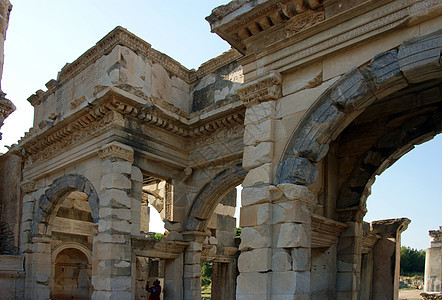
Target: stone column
(348,277)
(173,278)
(255,259)
(28,187)
(112,271)
(433,263)
(38,269)
(192,265)
(386,257)
(291,259)
(223,280)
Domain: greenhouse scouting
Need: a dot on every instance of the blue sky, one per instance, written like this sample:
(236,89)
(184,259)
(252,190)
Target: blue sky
(45,35)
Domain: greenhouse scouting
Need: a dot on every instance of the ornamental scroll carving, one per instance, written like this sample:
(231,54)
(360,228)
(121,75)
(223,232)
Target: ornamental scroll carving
(265,89)
(303,21)
(116,150)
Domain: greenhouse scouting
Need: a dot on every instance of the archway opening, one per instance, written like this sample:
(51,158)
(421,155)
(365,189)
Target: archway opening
(155,205)
(72,275)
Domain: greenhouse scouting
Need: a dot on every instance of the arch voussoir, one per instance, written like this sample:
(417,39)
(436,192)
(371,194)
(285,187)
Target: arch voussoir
(420,57)
(61,186)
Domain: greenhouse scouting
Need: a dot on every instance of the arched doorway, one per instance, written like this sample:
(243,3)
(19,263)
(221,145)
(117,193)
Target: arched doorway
(72,275)
(368,119)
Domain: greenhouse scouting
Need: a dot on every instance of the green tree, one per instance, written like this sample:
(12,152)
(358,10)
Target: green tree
(206,274)
(412,261)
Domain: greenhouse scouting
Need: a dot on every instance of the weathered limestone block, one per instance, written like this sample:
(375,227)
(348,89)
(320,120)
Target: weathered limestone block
(296,192)
(259,132)
(351,92)
(255,237)
(115,180)
(135,174)
(115,198)
(256,260)
(290,283)
(305,78)
(161,83)
(255,156)
(291,212)
(255,215)
(122,167)
(192,270)
(301,259)
(258,113)
(298,171)
(292,235)
(257,195)
(259,175)
(419,57)
(253,283)
(281,260)
(386,74)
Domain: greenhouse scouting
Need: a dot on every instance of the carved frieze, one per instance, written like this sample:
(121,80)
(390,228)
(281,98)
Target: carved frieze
(325,232)
(265,89)
(303,21)
(111,110)
(116,150)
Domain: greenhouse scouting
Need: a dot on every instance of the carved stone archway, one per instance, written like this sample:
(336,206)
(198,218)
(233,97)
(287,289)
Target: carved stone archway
(415,60)
(59,188)
(210,195)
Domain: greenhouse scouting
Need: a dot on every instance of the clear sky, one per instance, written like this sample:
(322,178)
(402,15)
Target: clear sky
(45,35)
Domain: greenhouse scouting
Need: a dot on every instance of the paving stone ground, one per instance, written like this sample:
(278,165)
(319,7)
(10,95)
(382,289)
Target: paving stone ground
(410,295)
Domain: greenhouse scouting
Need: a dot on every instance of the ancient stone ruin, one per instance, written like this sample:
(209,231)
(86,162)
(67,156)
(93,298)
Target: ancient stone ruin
(314,100)
(433,263)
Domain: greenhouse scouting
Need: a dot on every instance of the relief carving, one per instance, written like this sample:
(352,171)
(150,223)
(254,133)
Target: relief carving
(116,150)
(265,89)
(303,21)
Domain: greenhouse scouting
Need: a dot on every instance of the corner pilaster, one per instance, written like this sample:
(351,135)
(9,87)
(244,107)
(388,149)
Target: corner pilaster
(112,255)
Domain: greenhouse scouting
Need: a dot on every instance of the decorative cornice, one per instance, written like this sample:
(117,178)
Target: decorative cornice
(215,63)
(368,242)
(266,88)
(325,231)
(110,110)
(116,150)
(303,21)
(243,23)
(6,106)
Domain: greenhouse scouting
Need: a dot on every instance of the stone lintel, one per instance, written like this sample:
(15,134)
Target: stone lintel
(390,226)
(157,248)
(116,150)
(267,88)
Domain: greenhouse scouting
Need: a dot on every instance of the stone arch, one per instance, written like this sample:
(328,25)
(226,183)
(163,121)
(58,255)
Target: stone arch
(415,60)
(211,194)
(72,245)
(383,154)
(59,188)
(81,249)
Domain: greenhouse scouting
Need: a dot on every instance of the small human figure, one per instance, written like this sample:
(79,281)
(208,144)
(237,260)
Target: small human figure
(154,291)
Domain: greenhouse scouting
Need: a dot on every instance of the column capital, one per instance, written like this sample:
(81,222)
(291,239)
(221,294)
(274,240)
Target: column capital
(28,186)
(266,88)
(116,150)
